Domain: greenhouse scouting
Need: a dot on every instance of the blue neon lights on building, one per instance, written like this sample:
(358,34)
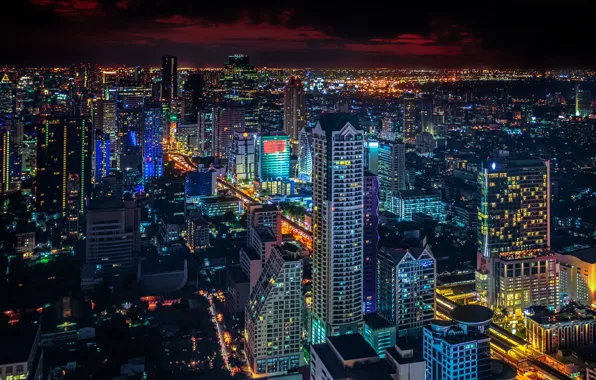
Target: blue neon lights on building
(152,143)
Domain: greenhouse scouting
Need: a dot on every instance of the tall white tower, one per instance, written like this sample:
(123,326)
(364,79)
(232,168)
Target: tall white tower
(337,226)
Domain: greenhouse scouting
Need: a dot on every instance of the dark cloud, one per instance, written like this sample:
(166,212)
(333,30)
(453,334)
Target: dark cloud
(404,34)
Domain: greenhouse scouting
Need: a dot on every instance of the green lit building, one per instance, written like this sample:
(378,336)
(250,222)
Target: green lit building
(379,333)
(273,158)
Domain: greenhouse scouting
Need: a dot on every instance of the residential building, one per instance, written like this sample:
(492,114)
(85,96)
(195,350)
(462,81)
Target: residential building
(237,290)
(406,288)
(197,234)
(371,241)
(273,316)
(169,77)
(226,121)
(264,215)
(391,170)
(305,148)
(294,110)
(337,226)
(577,275)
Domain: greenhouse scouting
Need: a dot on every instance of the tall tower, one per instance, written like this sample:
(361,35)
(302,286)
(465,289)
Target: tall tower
(226,121)
(304,166)
(169,77)
(294,110)
(63,149)
(337,226)
(371,241)
(514,236)
(152,142)
(409,128)
(392,170)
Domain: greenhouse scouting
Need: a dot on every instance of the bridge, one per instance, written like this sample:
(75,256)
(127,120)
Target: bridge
(510,348)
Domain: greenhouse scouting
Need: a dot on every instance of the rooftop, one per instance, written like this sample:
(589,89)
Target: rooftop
(17,341)
(416,193)
(471,314)
(334,122)
(397,254)
(586,255)
(376,322)
(219,199)
(352,346)
(570,312)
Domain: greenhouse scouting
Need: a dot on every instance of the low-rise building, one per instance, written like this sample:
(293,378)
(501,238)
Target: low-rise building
(379,333)
(219,206)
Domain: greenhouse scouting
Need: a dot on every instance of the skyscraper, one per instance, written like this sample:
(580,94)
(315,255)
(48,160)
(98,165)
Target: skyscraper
(226,121)
(406,288)
(192,98)
(273,316)
(304,165)
(294,110)
(101,164)
(169,77)
(63,149)
(410,127)
(152,142)
(426,114)
(392,170)
(514,236)
(371,241)
(273,156)
(242,157)
(337,226)
(205,132)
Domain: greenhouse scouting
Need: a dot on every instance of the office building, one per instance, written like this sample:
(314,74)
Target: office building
(10,159)
(169,77)
(273,316)
(153,138)
(205,132)
(219,206)
(294,110)
(63,149)
(391,170)
(337,226)
(514,235)
(549,331)
(201,183)
(577,275)
(273,156)
(113,236)
(304,166)
(459,349)
(406,288)
(101,164)
(226,121)
(409,202)
(371,241)
(379,333)
(73,205)
(349,357)
(240,77)
(426,114)
(197,234)
(242,157)
(267,216)
(410,124)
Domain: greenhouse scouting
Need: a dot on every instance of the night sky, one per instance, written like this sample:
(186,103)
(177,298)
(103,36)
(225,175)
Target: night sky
(491,34)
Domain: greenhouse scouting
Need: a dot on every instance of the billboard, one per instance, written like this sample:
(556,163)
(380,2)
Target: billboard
(274,146)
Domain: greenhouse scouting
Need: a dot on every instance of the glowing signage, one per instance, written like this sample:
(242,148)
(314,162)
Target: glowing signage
(274,146)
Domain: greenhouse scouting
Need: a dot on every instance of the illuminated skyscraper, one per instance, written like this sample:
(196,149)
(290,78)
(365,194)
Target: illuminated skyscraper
(152,142)
(226,121)
(63,149)
(73,190)
(337,226)
(241,81)
(192,98)
(273,316)
(392,170)
(169,77)
(371,241)
(406,288)
(514,236)
(242,157)
(101,167)
(294,110)
(410,127)
(426,114)
(273,159)
(304,166)
(583,102)
(205,132)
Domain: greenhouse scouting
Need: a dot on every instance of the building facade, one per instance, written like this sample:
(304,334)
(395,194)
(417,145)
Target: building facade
(577,275)
(337,226)
(294,110)
(406,288)
(371,242)
(391,170)
(153,137)
(304,166)
(409,202)
(242,157)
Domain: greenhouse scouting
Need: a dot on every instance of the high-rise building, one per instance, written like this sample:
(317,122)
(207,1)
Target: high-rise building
(201,183)
(410,124)
(294,110)
(577,275)
(101,164)
(240,77)
(371,241)
(391,170)
(226,121)
(371,155)
(113,236)
(459,349)
(514,236)
(192,98)
(152,142)
(337,226)
(426,114)
(267,216)
(63,149)
(406,288)
(242,157)
(169,77)
(273,316)
(273,156)
(73,213)
(583,102)
(304,166)
(205,132)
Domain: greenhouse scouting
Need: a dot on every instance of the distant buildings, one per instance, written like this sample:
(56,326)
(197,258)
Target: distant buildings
(169,77)
(459,349)
(197,234)
(274,316)
(226,121)
(294,110)
(406,288)
(337,226)
(410,125)
(152,142)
